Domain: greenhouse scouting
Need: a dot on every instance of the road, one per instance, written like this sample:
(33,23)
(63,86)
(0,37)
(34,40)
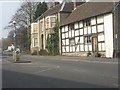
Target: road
(59,72)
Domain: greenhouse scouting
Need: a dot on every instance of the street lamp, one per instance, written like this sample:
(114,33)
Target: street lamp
(14,36)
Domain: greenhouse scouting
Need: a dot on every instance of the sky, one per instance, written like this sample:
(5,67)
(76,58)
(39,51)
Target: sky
(7,10)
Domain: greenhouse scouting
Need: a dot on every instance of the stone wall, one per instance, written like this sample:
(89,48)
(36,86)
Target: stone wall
(82,54)
(34,49)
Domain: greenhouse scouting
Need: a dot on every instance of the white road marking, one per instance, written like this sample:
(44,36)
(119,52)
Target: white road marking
(35,66)
(69,60)
(48,69)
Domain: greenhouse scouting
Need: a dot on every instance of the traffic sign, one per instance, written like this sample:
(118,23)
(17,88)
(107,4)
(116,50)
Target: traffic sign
(14,35)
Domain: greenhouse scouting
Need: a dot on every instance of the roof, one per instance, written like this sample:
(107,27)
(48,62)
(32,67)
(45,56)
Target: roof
(88,10)
(52,11)
(67,7)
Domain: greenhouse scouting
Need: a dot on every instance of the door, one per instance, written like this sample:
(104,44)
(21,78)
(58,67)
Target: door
(94,44)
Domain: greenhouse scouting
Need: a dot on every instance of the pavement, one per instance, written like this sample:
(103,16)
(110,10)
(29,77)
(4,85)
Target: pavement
(67,58)
(77,58)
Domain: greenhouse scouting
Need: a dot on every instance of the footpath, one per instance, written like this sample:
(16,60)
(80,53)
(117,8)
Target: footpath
(30,58)
(76,58)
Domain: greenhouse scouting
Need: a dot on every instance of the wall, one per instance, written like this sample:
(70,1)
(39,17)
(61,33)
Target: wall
(34,35)
(108,26)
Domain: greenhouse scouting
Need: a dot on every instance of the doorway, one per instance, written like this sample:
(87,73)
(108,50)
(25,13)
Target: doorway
(94,44)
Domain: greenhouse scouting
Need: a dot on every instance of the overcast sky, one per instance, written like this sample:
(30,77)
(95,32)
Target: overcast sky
(8,9)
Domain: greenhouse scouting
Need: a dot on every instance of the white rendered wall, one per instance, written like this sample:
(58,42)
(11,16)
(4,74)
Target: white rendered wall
(108,26)
(76,25)
(81,24)
(93,21)
(66,28)
(67,41)
(62,29)
(67,48)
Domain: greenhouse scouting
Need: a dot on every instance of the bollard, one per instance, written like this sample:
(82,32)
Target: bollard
(17,55)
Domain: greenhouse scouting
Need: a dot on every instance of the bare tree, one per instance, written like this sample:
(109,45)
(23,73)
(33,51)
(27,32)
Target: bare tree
(24,15)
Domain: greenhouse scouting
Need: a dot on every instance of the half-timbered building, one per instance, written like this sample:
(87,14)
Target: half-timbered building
(89,29)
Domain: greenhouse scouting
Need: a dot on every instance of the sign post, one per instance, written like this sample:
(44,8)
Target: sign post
(14,36)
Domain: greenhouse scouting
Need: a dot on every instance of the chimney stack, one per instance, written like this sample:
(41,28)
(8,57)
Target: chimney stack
(52,4)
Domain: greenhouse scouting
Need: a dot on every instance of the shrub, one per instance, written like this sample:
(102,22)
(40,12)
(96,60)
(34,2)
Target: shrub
(43,52)
(88,54)
(97,55)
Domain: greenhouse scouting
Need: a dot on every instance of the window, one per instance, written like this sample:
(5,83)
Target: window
(81,24)
(72,44)
(81,31)
(93,21)
(89,30)
(73,33)
(53,21)
(86,47)
(76,32)
(67,41)
(63,29)
(87,23)
(35,28)
(76,25)
(63,42)
(66,28)
(67,48)
(71,27)
(90,47)
(63,49)
(101,37)
(94,29)
(66,35)
(85,30)
(100,28)
(81,39)
(100,19)
(47,23)
(87,39)
(81,47)
(72,41)
(70,34)
(35,41)
(63,35)
(101,46)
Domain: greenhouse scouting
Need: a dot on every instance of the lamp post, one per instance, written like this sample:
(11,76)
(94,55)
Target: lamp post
(14,36)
